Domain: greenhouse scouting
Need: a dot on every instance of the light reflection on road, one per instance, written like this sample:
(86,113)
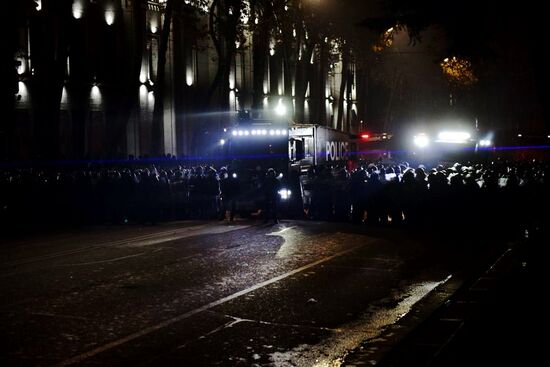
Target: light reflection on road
(291,238)
(329,352)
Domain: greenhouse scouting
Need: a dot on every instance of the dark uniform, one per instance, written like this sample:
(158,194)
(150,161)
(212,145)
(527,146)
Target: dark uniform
(230,190)
(271,189)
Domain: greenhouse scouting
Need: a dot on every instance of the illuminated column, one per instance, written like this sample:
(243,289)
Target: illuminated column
(248,77)
(64,99)
(169,127)
(232,100)
(281,79)
(23,98)
(191,67)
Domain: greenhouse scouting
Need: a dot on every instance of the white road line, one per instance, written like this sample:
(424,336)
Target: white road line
(58,316)
(134,242)
(238,320)
(176,233)
(81,357)
(100,244)
(360,268)
(297,326)
(186,234)
(108,260)
(281,231)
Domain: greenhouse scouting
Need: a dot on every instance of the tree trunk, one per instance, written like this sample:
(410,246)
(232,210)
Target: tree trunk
(130,80)
(213,30)
(389,109)
(260,51)
(319,96)
(223,31)
(157,145)
(224,85)
(9,79)
(343,84)
(300,88)
(50,72)
(362,95)
(289,63)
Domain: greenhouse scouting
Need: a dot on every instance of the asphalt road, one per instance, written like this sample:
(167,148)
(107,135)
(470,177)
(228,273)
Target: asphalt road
(207,294)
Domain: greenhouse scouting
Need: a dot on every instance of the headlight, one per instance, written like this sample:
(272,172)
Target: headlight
(453,137)
(421,140)
(285,194)
(485,143)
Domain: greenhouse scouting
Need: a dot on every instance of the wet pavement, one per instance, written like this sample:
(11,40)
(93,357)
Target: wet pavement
(490,320)
(198,293)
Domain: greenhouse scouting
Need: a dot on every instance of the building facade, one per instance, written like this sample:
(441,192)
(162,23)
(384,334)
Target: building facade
(100,79)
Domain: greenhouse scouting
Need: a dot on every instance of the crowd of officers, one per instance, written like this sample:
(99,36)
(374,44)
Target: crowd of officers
(371,193)
(498,192)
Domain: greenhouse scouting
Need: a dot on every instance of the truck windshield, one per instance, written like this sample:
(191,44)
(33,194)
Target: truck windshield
(260,153)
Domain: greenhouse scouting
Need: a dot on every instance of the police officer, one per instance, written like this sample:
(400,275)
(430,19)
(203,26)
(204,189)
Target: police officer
(271,189)
(230,189)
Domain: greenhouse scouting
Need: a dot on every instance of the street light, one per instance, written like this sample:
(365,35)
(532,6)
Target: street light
(281,109)
(421,140)
(109,16)
(78,9)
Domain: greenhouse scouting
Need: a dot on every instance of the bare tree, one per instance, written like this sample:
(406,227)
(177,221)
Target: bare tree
(134,46)
(160,85)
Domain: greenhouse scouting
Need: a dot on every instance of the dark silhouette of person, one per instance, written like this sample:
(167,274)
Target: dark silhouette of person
(271,189)
(229,191)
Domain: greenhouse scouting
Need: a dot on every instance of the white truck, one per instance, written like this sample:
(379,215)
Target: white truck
(254,146)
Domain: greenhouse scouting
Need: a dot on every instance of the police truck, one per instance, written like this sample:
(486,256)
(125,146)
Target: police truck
(254,145)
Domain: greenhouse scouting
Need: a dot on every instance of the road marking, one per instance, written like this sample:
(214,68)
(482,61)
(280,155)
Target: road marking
(58,316)
(108,260)
(238,320)
(99,245)
(81,357)
(281,231)
(360,268)
(128,243)
(184,232)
